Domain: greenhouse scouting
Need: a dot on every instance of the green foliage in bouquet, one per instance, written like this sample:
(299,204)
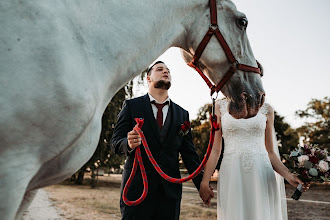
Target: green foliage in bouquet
(310,163)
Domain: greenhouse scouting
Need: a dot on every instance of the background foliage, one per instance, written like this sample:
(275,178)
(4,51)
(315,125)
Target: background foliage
(316,130)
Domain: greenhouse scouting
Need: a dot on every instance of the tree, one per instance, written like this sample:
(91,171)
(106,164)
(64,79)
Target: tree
(316,131)
(200,128)
(287,137)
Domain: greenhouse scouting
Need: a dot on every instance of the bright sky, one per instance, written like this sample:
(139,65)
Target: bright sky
(291,38)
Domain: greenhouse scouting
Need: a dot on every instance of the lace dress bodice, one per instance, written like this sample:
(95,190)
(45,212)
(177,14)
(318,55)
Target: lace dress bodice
(247,185)
(244,138)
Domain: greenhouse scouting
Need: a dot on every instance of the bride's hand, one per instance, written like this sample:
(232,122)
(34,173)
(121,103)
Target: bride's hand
(206,193)
(295,181)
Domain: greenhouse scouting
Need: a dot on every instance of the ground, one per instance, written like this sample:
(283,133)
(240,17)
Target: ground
(83,203)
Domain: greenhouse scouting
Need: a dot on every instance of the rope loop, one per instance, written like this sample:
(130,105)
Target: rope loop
(138,160)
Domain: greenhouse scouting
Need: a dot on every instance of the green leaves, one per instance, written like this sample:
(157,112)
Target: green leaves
(308,164)
(313,172)
(294,154)
(317,130)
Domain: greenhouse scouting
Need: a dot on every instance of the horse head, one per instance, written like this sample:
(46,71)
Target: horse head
(244,90)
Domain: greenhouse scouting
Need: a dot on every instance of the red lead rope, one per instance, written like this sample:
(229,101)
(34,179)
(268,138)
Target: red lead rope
(138,159)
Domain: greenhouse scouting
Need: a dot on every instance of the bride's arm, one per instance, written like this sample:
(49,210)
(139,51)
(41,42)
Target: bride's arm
(277,164)
(205,192)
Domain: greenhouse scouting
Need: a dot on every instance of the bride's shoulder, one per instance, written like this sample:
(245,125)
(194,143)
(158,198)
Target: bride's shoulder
(222,101)
(267,109)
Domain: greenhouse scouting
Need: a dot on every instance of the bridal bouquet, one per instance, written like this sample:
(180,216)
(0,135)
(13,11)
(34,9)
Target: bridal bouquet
(311,164)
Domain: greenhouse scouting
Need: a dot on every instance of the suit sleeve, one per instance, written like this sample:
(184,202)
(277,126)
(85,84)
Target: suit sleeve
(190,156)
(119,142)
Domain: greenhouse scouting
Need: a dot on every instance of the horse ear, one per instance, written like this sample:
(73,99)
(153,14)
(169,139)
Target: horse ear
(187,57)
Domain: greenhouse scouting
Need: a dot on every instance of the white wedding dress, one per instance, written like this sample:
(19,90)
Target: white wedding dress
(248,188)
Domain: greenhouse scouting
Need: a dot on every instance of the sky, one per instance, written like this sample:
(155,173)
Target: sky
(290,38)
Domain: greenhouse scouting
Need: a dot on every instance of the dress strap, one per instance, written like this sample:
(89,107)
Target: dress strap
(223,106)
(264,108)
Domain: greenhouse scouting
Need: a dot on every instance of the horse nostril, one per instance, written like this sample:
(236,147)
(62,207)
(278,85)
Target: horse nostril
(246,96)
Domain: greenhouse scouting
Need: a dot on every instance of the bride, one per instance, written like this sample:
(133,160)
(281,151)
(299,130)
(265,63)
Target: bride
(248,187)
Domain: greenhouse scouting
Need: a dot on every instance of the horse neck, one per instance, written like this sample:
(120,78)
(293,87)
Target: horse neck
(124,37)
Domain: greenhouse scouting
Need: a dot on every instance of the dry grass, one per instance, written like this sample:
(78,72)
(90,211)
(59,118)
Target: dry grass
(192,207)
(84,203)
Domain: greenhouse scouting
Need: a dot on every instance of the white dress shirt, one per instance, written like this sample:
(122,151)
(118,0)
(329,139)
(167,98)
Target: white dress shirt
(155,109)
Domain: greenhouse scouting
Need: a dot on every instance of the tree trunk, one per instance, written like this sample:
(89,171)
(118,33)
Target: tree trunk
(80,176)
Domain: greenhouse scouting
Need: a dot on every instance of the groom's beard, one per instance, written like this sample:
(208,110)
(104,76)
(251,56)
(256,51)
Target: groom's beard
(161,84)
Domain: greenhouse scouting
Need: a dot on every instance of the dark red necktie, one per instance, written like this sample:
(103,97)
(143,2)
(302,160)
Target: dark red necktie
(160,112)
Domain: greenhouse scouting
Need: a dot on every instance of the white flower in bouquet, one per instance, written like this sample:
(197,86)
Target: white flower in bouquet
(328,158)
(302,159)
(324,166)
(313,151)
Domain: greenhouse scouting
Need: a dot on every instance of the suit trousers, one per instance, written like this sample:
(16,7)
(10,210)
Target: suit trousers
(155,207)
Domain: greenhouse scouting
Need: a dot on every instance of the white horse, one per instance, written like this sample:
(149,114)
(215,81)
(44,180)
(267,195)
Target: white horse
(62,61)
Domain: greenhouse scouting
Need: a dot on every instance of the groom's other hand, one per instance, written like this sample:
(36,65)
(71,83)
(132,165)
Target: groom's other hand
(134,139)
(206,193)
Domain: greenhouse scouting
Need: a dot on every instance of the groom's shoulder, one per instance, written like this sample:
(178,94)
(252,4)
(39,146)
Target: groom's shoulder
(136,99)
(178,107)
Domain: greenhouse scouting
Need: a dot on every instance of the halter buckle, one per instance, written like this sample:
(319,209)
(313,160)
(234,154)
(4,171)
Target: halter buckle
(234,65)
(214,26)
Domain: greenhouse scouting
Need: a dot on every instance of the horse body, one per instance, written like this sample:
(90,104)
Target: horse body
(62,62)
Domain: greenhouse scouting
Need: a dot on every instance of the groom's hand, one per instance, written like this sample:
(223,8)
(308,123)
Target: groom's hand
(134,139)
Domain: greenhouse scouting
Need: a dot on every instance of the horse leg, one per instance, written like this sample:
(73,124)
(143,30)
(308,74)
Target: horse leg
(14,180)
(26,202)
(12,189)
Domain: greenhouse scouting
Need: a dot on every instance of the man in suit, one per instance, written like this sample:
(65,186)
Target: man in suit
(161,128)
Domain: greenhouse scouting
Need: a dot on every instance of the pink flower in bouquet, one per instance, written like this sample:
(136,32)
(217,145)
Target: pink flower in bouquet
(324,166)
(302,159)
(328,158)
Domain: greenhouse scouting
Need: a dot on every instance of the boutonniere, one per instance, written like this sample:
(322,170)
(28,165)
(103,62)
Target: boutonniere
(184,128)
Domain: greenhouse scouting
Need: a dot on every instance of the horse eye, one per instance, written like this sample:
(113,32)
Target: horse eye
(242,22)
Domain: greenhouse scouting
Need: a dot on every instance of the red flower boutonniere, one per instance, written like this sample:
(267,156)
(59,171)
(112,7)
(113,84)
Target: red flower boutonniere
(184,128)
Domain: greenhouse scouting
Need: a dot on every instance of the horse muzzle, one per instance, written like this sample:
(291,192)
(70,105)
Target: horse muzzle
(246,105)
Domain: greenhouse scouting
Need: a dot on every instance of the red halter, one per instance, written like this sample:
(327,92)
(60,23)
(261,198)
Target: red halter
(235,65)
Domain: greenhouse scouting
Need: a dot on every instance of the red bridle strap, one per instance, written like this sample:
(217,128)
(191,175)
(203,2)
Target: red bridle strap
(235,65)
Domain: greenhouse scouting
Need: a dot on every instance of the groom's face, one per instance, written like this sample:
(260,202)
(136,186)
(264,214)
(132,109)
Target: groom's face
(159,77)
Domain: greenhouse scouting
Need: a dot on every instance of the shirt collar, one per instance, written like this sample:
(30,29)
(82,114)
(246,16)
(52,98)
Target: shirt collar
(152,98)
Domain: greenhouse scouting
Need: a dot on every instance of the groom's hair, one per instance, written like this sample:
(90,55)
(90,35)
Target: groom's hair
(150,68)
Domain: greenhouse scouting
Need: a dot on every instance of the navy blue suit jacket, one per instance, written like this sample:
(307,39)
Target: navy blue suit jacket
(165,150)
